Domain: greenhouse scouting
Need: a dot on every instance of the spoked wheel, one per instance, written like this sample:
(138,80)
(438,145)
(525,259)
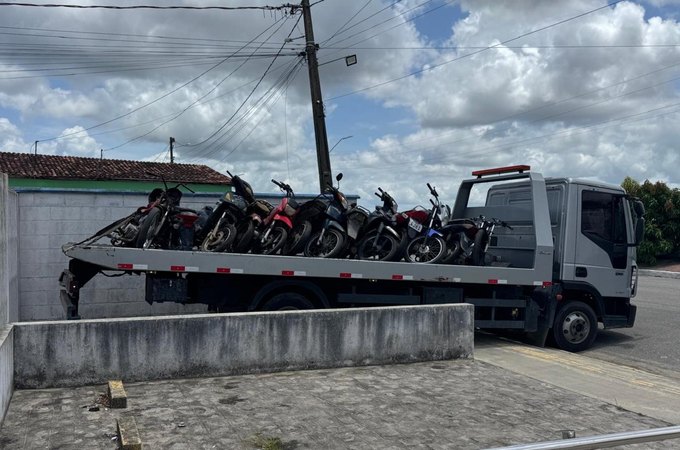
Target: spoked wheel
(385,248)
(424,249)
(274,241)
(219,240)
(150,228)
(575,327)
(297,238)
(330,245)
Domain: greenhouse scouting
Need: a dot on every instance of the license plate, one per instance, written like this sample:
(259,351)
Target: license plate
(415,225)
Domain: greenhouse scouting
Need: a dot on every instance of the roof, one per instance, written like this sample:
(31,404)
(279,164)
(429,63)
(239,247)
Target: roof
(26,165)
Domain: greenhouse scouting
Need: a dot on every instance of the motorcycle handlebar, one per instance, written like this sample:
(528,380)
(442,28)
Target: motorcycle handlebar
(378,195)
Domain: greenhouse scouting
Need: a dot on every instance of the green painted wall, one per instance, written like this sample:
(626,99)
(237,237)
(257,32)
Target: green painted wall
(118,186)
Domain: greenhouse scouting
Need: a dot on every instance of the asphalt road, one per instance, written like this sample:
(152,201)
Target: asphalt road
(653,344)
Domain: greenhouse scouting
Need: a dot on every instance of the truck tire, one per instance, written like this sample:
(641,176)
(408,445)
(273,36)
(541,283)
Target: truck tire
(575,327)
(287,301)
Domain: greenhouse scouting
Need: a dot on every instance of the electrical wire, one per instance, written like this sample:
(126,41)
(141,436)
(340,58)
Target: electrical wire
(226,8)
(467,55)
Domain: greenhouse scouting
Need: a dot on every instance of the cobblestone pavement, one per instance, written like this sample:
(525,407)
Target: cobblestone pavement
(462,404)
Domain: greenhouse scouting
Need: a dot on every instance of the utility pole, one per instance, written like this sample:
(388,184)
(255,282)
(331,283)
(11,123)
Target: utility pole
(172,156)
(322,156)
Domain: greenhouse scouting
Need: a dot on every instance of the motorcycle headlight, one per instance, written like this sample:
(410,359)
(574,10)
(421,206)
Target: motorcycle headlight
(343,201)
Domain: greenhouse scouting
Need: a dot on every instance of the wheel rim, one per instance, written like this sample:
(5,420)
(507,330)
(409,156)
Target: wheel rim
(217,239)
(273,240)
(380,250)
(576,327)
(426,250)
(327,244)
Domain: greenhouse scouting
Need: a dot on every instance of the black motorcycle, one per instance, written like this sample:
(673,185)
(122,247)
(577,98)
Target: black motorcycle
(340,228)
(381,241)
(167,225)
(217,227)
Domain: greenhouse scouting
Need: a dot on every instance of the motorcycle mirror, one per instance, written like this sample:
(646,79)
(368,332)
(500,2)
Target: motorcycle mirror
(338,177)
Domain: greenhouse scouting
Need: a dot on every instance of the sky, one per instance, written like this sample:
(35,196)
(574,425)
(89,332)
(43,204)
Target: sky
(573,88)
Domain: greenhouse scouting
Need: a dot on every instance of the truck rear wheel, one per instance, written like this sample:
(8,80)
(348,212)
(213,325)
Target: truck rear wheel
(287,301)
(575,327)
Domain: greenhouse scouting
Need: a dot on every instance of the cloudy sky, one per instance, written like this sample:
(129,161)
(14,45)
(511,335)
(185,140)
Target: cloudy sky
(442,87)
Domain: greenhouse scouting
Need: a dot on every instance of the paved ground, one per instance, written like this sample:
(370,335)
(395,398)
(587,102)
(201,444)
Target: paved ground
(493,401)
(461,404)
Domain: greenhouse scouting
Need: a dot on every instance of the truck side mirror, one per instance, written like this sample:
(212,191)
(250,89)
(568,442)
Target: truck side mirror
(639,209)
(639,230)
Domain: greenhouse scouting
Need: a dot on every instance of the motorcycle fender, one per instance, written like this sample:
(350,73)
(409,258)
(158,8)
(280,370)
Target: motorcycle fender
(434,233)
(393,232)
(285,219)
(336,225)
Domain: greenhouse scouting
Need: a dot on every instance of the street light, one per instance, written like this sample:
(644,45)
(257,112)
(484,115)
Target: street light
(339,141)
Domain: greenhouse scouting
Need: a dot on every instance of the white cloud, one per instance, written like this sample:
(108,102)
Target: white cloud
(591,111)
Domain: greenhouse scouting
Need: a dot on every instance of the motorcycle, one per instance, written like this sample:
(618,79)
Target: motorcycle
(341,225)
(381,241)
(468,240)
(273,230)
(217,228)
(167,225)
(309,218)
(428,244)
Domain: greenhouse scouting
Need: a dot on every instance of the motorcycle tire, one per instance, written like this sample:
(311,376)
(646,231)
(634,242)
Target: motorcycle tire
(244,236)
(150,228)
(297,238)
(479,250)
(274,242)
(426,250)
(453,254)
(219,240)
(386,248)
(331,246)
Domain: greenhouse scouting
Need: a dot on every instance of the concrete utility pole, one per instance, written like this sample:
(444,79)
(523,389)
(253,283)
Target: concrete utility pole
(322,156)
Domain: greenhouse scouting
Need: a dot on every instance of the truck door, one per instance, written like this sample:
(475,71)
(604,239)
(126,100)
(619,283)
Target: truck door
(601,255)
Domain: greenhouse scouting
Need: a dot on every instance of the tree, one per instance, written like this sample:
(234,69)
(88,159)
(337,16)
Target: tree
(662,215)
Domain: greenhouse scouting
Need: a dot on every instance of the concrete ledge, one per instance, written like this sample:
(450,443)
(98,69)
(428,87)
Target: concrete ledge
(6,368)
(77,353)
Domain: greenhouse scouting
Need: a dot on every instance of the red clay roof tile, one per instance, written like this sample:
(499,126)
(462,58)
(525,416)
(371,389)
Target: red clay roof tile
(26,165)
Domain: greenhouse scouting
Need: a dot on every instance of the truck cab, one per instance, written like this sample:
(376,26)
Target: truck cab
(595,229)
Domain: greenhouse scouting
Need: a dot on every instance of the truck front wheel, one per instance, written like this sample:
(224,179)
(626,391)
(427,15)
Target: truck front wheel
(575,327)
(287,301)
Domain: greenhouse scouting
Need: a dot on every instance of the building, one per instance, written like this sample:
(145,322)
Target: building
(53,200)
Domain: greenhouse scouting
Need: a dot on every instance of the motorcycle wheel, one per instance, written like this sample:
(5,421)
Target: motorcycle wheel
(244,236)
(274,242)
(297,238)
(452,254)
(150,228)
(219,240)
(478,251)
(386,248)
(331,246)
(427,250)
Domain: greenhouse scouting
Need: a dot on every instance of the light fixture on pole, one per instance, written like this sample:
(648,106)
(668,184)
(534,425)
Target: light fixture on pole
(339,141)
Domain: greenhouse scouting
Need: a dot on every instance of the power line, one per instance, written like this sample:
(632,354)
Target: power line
(227,8)
(467,55)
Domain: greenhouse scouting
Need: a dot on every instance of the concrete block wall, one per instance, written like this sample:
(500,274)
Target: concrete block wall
(76,353)
(8,291)
(49,219)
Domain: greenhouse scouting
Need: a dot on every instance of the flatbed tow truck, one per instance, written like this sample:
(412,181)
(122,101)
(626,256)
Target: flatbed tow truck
(566,263)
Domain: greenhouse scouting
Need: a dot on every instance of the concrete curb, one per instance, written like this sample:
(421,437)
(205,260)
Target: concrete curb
(659,273)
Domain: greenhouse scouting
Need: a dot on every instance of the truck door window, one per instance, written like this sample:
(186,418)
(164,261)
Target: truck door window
(603,221)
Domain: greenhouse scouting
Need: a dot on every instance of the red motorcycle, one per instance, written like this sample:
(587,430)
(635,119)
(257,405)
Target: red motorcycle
(272,232)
